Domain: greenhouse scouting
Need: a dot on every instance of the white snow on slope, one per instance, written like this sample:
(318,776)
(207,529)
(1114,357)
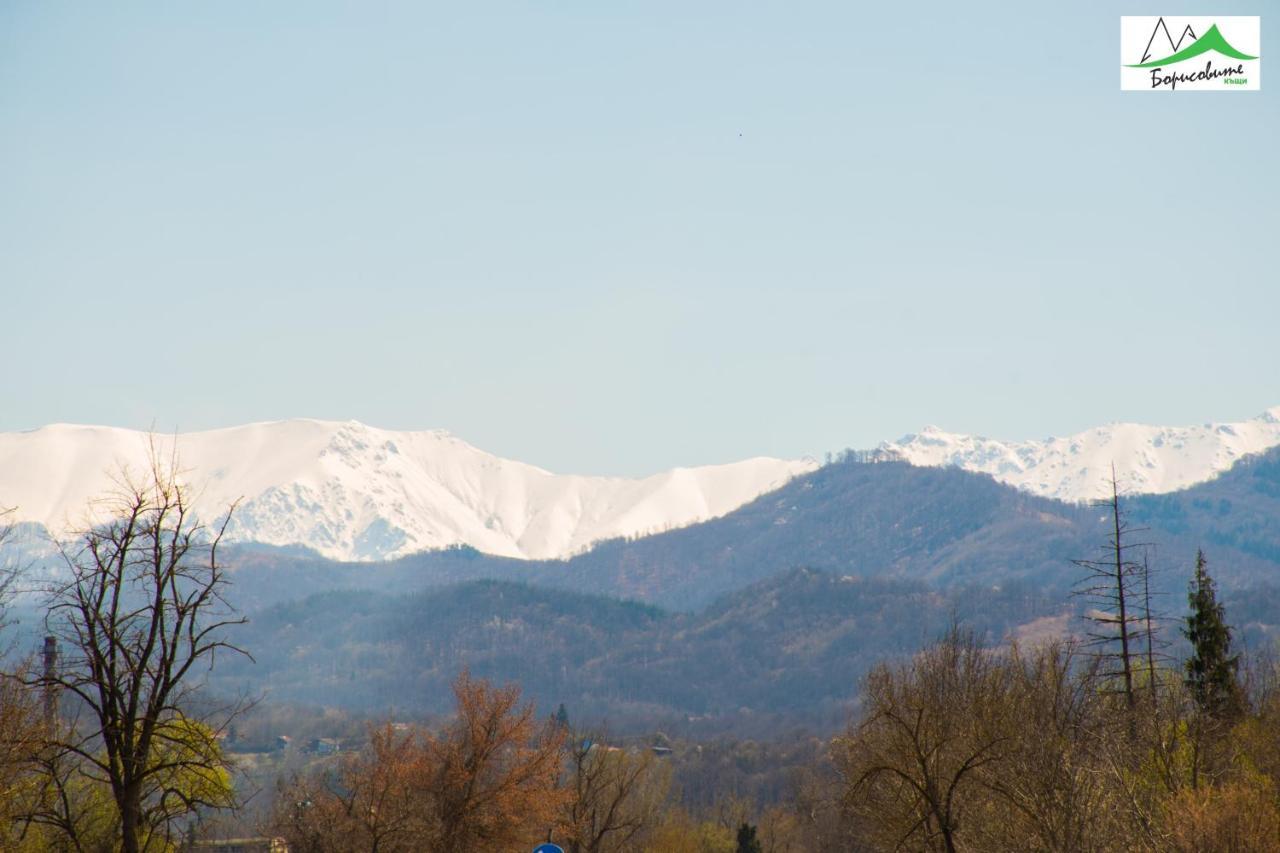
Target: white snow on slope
(354,492)
(1148,459)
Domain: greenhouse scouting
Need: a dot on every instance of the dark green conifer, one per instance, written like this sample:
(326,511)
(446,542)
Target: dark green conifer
(747,841)
(1211,669)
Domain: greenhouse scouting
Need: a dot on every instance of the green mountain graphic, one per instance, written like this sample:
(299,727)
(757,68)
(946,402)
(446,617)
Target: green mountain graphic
(1211,40)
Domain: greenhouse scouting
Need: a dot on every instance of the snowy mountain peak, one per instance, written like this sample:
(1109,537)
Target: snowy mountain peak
(355,492)
(1147,459)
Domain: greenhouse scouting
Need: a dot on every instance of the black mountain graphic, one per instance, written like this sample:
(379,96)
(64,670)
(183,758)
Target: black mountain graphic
(1174,46)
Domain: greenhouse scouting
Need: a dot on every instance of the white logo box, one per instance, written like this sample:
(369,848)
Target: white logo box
(1149,38)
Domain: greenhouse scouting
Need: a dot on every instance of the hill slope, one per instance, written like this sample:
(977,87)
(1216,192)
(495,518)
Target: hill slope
(796,644)
(884,520)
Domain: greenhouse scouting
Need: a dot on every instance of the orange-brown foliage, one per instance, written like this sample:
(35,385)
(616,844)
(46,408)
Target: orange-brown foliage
(488,782)
(1235,817)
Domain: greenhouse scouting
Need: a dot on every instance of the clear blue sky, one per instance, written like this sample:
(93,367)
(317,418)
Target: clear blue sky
(616,237)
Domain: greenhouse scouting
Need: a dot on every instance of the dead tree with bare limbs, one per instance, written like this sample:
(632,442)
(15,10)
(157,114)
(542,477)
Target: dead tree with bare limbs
(1113,590)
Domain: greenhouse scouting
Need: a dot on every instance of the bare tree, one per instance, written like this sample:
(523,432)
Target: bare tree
(1150,631)
(617,796)
(1109,586)
(1046,791)
(8,572)
(21,736)
(19,721)
(913,767)
(141,614)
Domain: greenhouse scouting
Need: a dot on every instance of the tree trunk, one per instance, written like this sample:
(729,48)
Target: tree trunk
(130,824)
(1125,655)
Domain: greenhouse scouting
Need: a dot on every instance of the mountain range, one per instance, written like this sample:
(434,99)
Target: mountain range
(777,608)
(1147,459)
(352,492)
(773,609)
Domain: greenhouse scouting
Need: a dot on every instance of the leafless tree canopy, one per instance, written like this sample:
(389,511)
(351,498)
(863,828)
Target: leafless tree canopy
(617,796)
(139,617)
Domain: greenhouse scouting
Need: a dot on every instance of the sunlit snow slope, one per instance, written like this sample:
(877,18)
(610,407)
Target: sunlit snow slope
(354,492)
(1148,459)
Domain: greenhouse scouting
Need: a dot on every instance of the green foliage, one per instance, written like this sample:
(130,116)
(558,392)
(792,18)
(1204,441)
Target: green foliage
(191,766)
(189,770)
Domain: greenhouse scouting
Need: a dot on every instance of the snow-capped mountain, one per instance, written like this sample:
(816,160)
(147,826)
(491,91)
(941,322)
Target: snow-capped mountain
(1148,459)
(354,492)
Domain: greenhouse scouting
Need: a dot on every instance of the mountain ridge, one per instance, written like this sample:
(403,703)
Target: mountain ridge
(888,519)
(352,492)
(1149,459)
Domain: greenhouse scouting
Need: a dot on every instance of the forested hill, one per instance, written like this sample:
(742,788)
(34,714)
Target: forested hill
(1239,511)
(886,519)
(794,645)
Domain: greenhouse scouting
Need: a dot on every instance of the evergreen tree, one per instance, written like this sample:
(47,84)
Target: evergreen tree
(1211,669)
(747,841)
(562,717)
